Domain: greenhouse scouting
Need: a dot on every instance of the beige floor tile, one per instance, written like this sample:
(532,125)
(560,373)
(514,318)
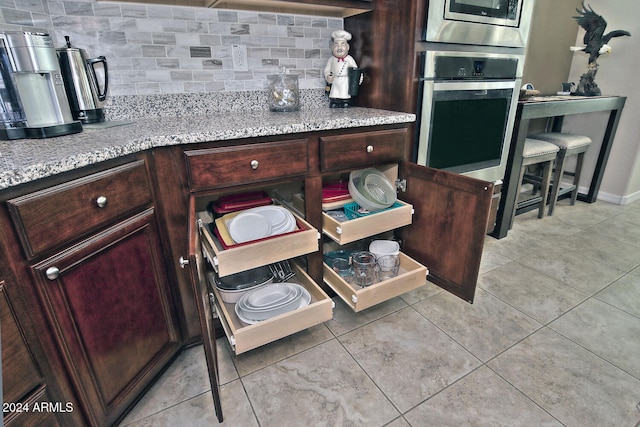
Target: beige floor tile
(281,349)
(624,294)
(530,291)
(605,249)
(572,268)
(186,378)
(198,411)
(605,331)
(408,357)
(572,384)
(485,328)
(345,319)
(481,398)
(322,386)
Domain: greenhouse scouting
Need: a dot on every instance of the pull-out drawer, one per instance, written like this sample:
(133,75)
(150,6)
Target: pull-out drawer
(53,216)
(362,149)
(260,252)
(412,275)
(355,229)
(242,164)
(244,337)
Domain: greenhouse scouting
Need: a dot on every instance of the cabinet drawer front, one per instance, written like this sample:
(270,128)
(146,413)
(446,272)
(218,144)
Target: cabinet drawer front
(226,166)
(53,216)
(412,275)
(243,337)
(362,149)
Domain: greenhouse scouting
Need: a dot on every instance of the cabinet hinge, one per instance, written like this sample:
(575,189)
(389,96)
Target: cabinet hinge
(200,225)
(401,185)
(212,300)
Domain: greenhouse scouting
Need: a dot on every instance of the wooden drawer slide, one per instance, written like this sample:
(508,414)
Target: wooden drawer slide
(262,252)
(244,337)
(359,228)
(412,275)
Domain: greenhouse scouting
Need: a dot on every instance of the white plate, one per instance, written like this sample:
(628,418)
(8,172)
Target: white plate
(249,317)
(249,226)
(281,219)
(272,296)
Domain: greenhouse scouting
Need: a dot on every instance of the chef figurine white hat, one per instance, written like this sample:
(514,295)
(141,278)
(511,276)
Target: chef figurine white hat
(341,35)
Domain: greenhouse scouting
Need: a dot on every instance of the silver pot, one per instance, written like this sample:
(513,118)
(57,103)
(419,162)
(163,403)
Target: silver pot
(86,81)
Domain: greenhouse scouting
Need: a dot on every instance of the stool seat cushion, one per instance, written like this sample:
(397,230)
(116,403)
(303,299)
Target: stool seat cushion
(563,140)
(536,147)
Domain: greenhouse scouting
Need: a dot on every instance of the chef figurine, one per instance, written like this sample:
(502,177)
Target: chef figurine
(336,72)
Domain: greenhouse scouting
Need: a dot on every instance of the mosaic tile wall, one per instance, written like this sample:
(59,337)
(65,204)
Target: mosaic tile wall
(157,50)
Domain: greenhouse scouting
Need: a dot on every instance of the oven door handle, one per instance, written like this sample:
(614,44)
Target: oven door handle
(473,85)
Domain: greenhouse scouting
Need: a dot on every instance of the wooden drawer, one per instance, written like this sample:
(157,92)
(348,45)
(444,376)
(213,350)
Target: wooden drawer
(53,216)
(227,166)
(362,149)
(359,228)
(244,337)
(261,252)
(412,275)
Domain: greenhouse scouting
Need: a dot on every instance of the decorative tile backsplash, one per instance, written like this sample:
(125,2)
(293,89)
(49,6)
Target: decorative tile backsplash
(161,50)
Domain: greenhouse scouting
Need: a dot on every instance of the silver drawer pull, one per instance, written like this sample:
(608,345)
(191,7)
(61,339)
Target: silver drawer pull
(101,201)
(254,164)
(52,273)
(369,148)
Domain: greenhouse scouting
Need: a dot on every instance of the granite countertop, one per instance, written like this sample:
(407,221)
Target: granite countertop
(26,160)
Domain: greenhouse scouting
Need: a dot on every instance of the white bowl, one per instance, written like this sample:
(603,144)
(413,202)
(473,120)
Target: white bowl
(384,247)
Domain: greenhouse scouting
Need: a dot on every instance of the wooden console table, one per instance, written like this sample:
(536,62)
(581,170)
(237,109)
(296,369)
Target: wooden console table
(557,108)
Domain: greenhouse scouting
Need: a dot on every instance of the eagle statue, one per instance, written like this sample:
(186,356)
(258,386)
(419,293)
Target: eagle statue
(596,44)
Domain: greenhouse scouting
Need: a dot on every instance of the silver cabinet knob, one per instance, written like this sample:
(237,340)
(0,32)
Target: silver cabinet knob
(254,164)
(183,262)
(101,201)
(369,148)
(52,273)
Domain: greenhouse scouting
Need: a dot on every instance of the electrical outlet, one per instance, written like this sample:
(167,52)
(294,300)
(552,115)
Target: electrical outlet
(239,56)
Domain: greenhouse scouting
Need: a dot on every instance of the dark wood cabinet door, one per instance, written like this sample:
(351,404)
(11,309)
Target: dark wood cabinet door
(204,304)
(448,229)
(109,307)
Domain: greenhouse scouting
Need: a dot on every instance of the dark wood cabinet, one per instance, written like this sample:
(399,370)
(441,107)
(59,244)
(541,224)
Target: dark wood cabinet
(23,386)
(101,299)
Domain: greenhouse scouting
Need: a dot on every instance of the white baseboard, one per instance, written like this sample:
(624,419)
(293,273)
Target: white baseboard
(615,198)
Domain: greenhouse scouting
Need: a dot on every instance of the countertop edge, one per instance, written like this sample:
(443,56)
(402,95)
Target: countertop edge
(48,157)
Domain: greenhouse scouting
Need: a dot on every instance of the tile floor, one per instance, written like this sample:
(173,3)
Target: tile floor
(552,339)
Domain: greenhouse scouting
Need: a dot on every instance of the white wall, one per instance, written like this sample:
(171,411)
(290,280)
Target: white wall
(617,75)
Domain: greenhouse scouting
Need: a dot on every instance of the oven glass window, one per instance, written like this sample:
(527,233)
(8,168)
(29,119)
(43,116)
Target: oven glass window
(502,9)
(467,134)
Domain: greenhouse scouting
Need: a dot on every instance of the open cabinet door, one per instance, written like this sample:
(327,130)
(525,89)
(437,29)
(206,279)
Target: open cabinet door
(205,312)
(449,225)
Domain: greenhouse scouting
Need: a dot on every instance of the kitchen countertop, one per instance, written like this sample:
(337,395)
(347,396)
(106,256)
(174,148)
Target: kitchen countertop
(26,160)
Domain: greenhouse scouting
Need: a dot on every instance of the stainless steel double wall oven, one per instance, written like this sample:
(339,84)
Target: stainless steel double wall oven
(473,52)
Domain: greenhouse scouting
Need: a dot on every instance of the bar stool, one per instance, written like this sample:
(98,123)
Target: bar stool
(569,145)
(537,152)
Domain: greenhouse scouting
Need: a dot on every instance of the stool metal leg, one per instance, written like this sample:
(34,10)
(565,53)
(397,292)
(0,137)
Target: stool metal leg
(544,187)
(576,178)
(557,177)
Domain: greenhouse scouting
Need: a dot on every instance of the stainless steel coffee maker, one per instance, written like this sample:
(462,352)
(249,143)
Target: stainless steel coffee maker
(35,104)
(86,80)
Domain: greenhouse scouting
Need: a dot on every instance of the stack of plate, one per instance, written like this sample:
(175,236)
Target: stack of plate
(232,287)
(270,301)
(261,222)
